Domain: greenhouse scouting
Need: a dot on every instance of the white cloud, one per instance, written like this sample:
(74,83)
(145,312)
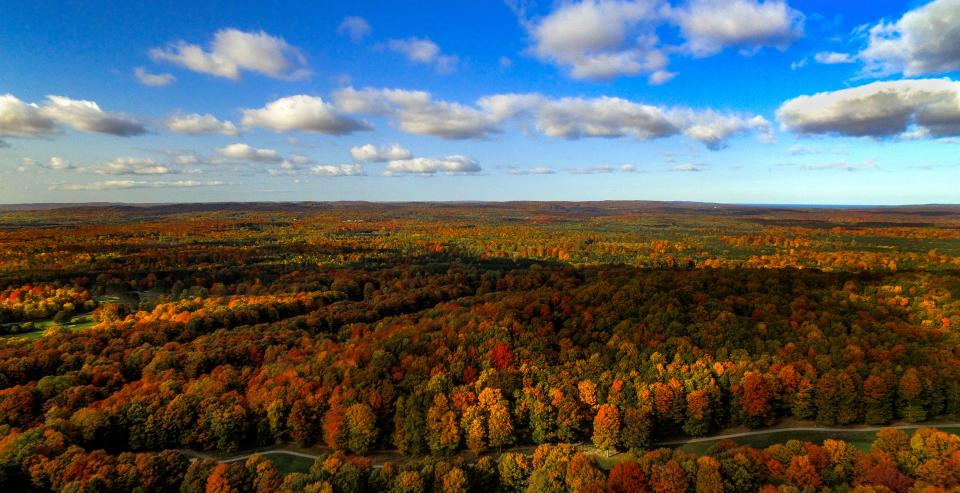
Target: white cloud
(605,39)
(131,166)
(568,118)
(879,109)
(130,184)
(20,119)
(833,58)
(337,170)
(428,166)
(87,116)
(424,51)
(153,80)
(628,168)
(688,168)
(593,170)
(186,159)
(661,77)
(59,163)
(301,112)
(356,28)
(55,163)
(923,41)
(196,124)
(869,164)
(710,26)
(573,118)
(713,129)
(233,51)
(601,40)
(417,113)
(537,170)
(370,152)
(290,166)
(244,152)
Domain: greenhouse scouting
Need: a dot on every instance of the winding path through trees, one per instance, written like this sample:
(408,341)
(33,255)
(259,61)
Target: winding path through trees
(379,457)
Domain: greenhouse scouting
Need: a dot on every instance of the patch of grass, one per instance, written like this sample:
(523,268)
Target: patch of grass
(607,463)
(77,323)
(287,464)
(862,440)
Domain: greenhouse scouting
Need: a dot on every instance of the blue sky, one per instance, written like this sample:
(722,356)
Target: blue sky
(730,101)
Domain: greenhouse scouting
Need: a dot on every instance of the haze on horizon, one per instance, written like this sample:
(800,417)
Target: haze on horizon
(737,101)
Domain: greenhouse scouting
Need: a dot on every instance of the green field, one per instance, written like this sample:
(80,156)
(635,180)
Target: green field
(287,464)
(860,439)
(76,323)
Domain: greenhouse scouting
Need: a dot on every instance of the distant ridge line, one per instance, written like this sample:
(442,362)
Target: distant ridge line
(319,205)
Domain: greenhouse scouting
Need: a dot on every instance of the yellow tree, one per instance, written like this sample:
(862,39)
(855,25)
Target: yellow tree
(606,427)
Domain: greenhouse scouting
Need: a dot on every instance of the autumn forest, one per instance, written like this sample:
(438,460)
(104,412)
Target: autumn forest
(473,347)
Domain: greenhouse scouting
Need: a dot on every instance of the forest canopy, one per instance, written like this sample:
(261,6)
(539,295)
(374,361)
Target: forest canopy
(476,344)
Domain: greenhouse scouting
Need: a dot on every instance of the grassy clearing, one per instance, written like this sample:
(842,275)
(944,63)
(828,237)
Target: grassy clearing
(860,439)
(287,464)
(77,323)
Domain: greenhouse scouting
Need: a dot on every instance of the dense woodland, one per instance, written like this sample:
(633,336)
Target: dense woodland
(463,335)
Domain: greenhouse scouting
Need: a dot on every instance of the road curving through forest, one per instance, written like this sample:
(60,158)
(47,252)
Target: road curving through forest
(383,456)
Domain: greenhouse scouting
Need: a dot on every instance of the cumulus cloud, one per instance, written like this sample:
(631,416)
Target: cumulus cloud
(302,112)
(593,170)
(799,150)
(605,39)
(567,118)
(55,163)
(833,58)
(416,112)
(923,41)
(233,51)
(424,51)
(710,26)
(196,124)
(601,40)
(537,170)
(87,116)
(129,184)
(153,80)
(574,118)
(337,170)
(131,166)
(714,129)
(879,109)
(604,169)
(355,28)
(244,152)
(688,168)
(370,152)
(429,166)
(186,159)
(20,119)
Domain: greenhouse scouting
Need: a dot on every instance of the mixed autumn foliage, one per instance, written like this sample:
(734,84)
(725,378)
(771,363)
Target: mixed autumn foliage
(431,329)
